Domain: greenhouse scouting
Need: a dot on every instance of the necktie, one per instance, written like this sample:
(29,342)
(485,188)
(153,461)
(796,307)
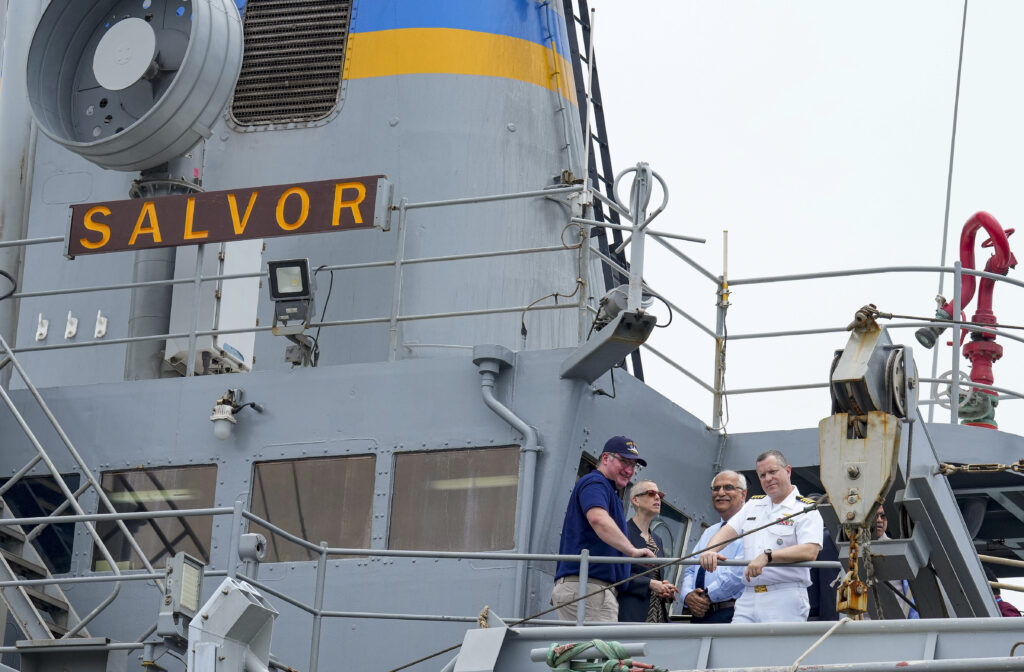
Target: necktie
(700,578)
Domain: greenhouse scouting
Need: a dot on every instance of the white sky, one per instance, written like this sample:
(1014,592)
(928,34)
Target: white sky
(818,134)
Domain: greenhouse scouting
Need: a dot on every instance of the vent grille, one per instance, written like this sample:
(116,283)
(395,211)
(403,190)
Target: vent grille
(294,51)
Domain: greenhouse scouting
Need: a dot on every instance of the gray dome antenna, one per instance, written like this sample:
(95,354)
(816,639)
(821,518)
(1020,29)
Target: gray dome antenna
(131,84)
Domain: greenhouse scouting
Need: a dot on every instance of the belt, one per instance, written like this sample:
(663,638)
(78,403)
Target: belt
(718,606)
(776,586)
(576,579)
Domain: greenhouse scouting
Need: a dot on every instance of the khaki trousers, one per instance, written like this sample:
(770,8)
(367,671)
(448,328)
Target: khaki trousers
(601,607)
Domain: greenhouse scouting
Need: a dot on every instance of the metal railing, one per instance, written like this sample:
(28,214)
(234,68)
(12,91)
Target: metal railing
(721,337)
(323,553)
(70,498)
(398,263)
(722,284)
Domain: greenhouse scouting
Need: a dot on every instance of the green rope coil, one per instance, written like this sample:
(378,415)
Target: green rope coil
(560,658)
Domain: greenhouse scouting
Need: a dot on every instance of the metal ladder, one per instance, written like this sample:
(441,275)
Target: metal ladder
(599,162)
(42,611)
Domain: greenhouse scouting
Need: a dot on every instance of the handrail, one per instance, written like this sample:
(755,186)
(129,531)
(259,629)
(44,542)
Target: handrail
(334,323)
(399,262)
(71,498)
(322,549)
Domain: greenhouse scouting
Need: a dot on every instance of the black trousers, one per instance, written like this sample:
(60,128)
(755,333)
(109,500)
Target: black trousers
(720,616)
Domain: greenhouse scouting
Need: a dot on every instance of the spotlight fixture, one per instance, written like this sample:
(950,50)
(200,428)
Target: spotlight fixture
(614,302)
(291,289)
(618,331)
(223,416)
(183,594)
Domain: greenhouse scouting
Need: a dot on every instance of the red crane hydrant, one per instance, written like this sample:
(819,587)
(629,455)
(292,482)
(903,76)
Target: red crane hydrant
(982,351)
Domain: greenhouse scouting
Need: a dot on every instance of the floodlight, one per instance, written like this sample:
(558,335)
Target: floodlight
(291,289)
(614,302)
(289,279)
(183,592)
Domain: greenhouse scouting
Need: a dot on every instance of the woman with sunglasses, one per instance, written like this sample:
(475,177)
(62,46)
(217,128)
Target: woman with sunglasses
(646,598)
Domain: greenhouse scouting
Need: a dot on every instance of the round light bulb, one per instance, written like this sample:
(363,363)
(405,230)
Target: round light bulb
(221,429)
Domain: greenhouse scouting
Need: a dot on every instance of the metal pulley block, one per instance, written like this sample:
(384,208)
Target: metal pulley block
(869,375)
(858,472)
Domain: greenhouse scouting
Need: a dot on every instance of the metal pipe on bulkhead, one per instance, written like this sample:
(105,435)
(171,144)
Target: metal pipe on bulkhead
(490,359)
(150,311)
(18,139)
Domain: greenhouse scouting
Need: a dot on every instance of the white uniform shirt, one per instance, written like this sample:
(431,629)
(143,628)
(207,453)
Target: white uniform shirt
(803,529)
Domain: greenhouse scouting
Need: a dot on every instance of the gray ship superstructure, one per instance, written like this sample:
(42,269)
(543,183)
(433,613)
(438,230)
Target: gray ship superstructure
(318,310)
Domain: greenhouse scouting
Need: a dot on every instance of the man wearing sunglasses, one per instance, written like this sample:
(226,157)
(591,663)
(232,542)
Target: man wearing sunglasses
(711,598)
(596,521)
(779,532)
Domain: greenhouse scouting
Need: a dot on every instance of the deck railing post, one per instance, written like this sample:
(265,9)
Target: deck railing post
(954,389)
(197,297)
(581,606)
(318,605)
(236,532)
(396,287)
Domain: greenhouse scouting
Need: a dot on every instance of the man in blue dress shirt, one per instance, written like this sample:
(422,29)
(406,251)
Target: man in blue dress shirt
(711,597)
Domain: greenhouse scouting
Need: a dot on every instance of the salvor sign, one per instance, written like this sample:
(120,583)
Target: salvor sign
(220,216)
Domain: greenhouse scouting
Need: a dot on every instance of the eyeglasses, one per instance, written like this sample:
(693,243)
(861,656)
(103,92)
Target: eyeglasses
(880,516)
(728,487)
(629,463)
(652,493)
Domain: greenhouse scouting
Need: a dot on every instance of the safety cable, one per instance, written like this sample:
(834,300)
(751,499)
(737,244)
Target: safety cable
(796,663)
(898,593)
(949,180)
(579,277)
(964,324)
(675,561)
(315,354)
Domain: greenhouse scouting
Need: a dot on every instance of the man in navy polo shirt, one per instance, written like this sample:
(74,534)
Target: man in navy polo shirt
(596,521)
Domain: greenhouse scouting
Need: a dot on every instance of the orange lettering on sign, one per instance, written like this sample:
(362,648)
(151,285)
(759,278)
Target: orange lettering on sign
(240,225)
(303,213)
(352,205)
(190,209)
(98,227)
(148,212)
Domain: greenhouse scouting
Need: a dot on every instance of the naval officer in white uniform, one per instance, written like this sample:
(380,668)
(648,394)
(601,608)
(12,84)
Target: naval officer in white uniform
(772,594)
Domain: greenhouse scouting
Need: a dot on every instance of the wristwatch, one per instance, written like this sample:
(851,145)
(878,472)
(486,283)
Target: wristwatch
(768,552)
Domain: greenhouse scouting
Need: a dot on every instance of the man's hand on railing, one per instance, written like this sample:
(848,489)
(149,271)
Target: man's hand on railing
(709,560)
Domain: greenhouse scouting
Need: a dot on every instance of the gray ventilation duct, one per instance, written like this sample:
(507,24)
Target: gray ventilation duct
(131,84)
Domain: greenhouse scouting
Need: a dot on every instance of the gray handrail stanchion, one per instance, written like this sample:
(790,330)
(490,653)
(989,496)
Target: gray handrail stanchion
(236,531)
(954,379)
(581,606)
(318,605)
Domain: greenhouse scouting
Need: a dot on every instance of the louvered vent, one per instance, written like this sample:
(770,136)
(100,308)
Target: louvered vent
(291,70)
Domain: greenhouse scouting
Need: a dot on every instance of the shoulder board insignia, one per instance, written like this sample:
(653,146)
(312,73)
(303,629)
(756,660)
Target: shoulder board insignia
(807,500)
(757,496)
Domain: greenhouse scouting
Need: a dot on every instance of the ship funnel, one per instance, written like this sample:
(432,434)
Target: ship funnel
(130,86)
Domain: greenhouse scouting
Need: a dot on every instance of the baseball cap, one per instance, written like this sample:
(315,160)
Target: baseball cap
(624,446)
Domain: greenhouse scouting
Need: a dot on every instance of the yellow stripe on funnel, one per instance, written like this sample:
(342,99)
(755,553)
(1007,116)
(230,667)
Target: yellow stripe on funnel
(414,51)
